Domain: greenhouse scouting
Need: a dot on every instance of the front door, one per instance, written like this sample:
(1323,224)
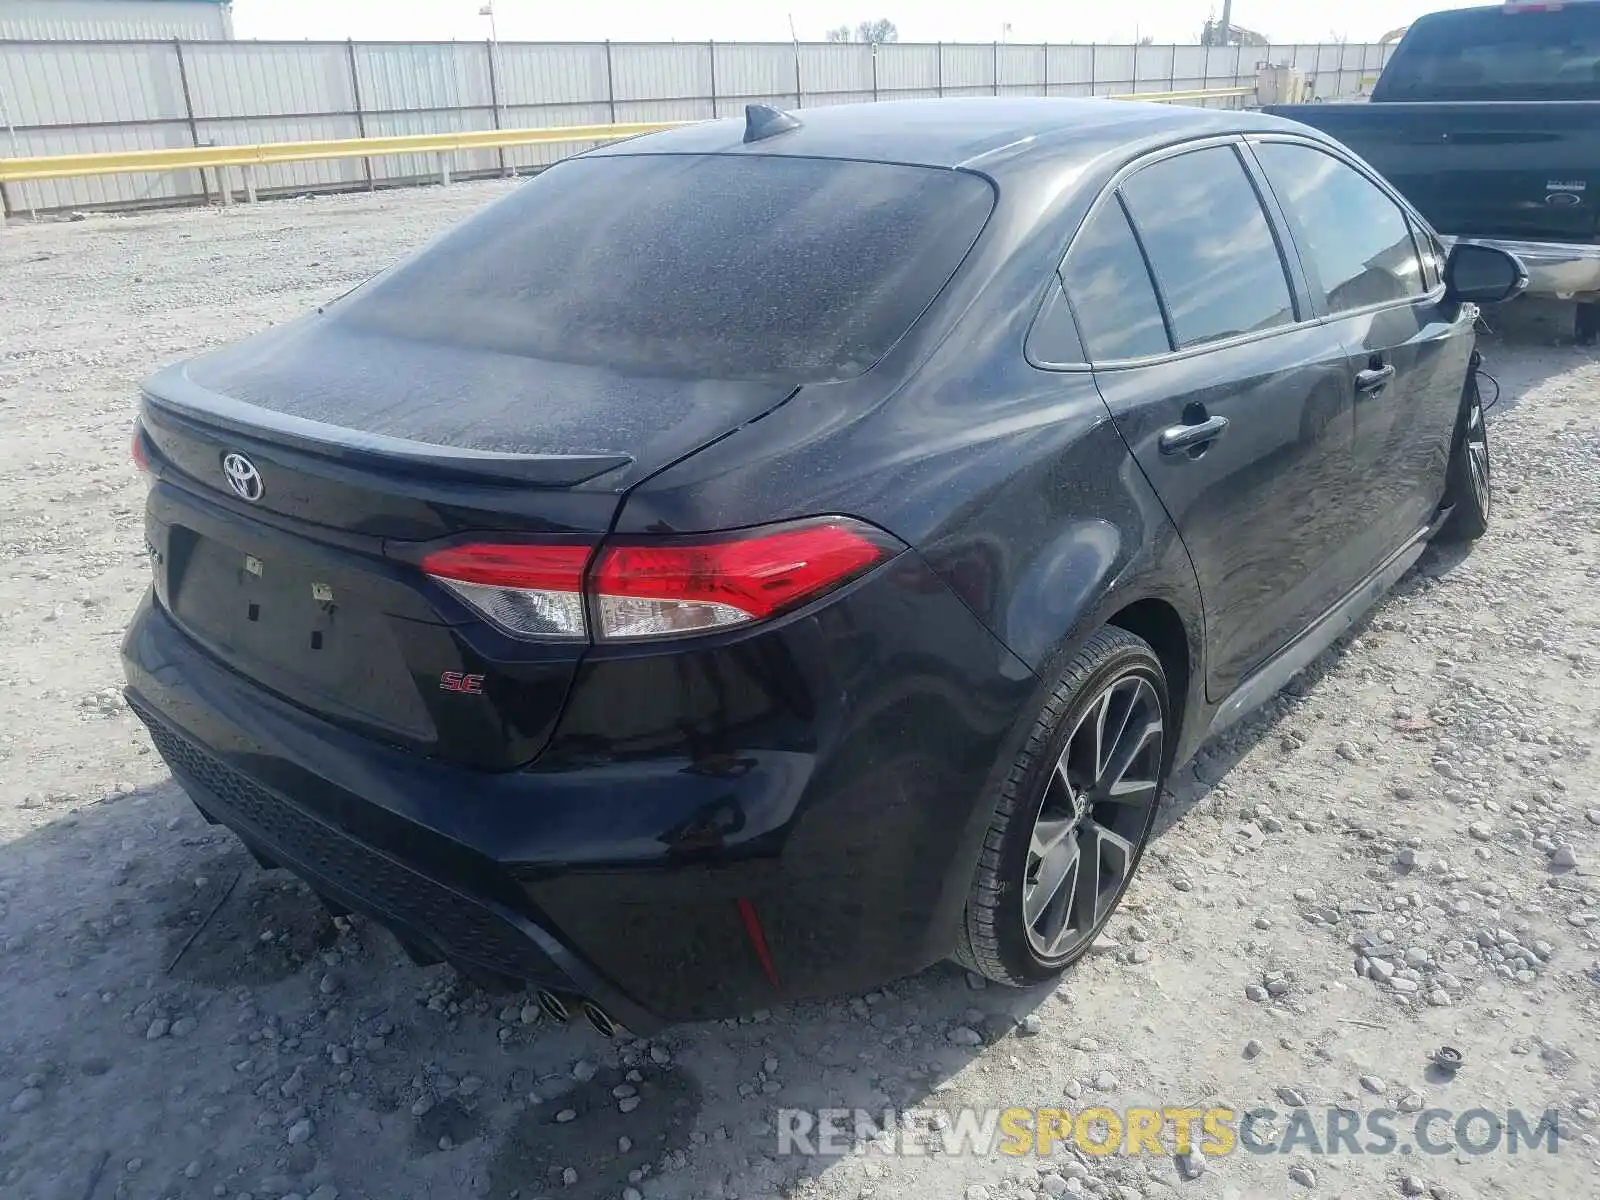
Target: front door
(1239,412)
(1407,347)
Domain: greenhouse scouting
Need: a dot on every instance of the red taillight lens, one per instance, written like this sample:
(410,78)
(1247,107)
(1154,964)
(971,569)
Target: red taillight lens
(659,589)
(141,456)
(530,591)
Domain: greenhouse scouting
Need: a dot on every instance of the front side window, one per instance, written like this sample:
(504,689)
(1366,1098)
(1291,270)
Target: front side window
(1110,289)
(1210,245)
(1356,239)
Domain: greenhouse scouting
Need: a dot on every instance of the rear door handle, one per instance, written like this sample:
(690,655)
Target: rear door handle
(1186,437)
(1370,383)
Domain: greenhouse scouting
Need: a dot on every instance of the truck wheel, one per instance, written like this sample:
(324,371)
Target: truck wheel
(1587,324)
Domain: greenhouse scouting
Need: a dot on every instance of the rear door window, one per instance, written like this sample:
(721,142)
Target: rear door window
(1110,290)
(710,266)
(1053,340)
(1210,245)
(1357,240)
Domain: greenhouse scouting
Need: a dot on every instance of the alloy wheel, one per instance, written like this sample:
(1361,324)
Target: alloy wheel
(1477,445)
(1097,806)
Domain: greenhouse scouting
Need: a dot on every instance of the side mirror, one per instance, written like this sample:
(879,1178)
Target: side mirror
(1483,274)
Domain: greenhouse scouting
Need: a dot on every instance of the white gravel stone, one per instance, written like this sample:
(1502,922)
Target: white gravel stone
(27,1100)
(1191,1165)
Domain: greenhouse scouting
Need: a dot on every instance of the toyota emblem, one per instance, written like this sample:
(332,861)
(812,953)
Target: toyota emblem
(243,477)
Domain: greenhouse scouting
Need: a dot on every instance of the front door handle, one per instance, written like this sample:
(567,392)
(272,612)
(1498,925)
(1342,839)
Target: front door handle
(1372,382)
(1188,437)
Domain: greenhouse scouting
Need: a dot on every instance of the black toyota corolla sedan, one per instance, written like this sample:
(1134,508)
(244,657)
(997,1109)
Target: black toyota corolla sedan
(762,559)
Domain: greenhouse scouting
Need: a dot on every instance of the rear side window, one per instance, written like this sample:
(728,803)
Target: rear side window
(1489,54)
(1210,245)
(1357,240)
(1053,340)
(709,266)
(1110,290)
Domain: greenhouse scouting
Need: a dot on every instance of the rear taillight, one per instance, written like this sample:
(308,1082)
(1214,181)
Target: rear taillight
(531,591)
(141,456)
(660,587)
(657,589)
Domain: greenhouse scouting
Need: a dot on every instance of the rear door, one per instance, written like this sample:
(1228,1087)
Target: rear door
(1385,301)
(1235,404)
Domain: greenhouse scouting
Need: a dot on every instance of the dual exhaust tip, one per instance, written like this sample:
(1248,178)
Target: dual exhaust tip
(557,1009)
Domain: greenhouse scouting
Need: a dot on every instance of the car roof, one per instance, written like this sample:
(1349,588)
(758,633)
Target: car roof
(981,132)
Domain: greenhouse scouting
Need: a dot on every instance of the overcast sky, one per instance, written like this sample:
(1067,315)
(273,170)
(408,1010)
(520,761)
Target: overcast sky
(768,20)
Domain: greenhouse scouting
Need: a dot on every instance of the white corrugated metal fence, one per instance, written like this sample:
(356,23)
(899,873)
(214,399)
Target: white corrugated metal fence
(73,97)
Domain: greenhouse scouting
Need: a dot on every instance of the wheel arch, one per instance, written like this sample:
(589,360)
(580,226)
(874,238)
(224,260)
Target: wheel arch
(1159,623)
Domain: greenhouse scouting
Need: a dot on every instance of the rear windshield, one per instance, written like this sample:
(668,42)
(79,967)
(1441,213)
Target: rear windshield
(1487,54)
(711,266)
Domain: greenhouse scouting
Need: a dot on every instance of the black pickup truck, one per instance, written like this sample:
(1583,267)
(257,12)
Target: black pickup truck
(1488,120)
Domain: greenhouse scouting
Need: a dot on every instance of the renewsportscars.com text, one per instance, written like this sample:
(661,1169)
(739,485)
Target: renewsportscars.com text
(1213,1132)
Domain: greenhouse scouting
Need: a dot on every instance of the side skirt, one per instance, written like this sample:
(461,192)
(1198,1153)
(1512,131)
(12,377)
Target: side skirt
(1327,629)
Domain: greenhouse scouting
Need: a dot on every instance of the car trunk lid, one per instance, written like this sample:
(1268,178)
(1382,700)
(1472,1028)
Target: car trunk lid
(365,451)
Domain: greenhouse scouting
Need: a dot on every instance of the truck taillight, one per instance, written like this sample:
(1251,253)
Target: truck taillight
(137,451)
(644,588)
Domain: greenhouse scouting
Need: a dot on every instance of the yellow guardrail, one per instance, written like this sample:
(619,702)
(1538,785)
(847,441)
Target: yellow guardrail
(1197,94)
(122,162)
(246,158)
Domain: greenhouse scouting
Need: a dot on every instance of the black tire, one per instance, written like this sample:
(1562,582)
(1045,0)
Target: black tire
(996,940)
(1469,490)
(1586,323)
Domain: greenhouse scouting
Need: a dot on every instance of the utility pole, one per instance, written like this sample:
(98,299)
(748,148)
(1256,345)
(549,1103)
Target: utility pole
(1227,22)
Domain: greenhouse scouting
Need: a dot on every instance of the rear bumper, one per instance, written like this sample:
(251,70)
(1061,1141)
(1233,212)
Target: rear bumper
(825,775)
(1564,270)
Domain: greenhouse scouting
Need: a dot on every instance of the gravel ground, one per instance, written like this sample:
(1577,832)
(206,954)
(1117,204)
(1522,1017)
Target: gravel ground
(1401,852)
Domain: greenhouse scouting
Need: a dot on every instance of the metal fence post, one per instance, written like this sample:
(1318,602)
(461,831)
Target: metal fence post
(1093,63)
(1045,48)
(1172,68)
(611,85)
(355,99)
(874,72)
(711,46)
(994,68)
(1136,68)
(939,67)
(188,110)
(22,189)
(494,99)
